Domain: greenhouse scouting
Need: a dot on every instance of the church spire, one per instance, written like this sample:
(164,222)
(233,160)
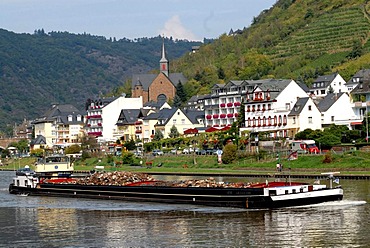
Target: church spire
(163,63)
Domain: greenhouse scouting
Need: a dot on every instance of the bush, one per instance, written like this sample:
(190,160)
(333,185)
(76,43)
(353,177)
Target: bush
(328,158)
(127,158)
(229,153)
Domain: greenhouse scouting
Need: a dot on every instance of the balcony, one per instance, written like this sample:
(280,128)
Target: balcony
(229,104)
(95,133)
(208,117)
(215,116)
(222,105)
(93,117)
(138,131)
(222,115)
(230,115)
(236,114)
(237,104)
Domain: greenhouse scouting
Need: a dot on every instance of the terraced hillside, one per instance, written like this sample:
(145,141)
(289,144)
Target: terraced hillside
(333,32)
(297,39)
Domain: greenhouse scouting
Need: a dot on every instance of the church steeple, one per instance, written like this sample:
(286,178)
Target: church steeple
(163,63)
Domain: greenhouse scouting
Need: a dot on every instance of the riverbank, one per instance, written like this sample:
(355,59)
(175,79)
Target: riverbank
(352,165)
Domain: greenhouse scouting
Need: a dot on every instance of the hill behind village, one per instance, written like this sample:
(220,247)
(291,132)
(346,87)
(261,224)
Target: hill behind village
(293,39)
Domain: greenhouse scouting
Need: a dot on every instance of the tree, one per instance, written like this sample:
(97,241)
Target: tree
(130,145)
(357,50)
(177,101)
(73,149)
(229,153)
(158,135)
(173,132)
(180,92)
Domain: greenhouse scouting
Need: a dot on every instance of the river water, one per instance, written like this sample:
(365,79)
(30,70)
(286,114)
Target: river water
(30,221)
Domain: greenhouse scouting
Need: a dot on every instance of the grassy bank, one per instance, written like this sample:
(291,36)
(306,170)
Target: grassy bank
(347,163)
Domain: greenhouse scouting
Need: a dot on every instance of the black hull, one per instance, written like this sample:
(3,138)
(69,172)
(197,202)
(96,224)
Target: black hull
(251,198)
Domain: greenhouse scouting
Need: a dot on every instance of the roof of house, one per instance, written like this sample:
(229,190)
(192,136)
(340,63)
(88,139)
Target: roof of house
(362,75)
(326,79)
(362,88)
(128,116)
(194,115)
(61,112)
(145,80)
(299,105)
(39,140)
(328,101)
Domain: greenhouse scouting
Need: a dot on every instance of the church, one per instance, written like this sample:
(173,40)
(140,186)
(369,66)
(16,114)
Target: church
(157,87)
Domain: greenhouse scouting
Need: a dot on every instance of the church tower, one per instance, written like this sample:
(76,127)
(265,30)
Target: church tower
(163,63)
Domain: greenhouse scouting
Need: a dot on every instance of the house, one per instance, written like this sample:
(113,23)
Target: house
(303,115)
(38,143)
(165,119)
(129,124)
(102,115)
(333,83)
(360,76)
(269,104)
(337,109)
(222,106)
(61,125)
(361,95)
(157,87)
(196,102)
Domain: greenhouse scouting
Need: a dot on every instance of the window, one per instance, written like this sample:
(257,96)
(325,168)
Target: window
(323,92)
(310,120)
(287,106)
(332,118)
(309,107)
(174,121)
(182,121)
(293,120)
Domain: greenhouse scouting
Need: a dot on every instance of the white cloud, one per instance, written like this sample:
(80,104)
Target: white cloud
(173,27)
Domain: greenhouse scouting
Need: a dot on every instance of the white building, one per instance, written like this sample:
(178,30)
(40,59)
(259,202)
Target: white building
(267,107)
(304,115)
(337,109)
(102,115)
(333,83)
(61,125)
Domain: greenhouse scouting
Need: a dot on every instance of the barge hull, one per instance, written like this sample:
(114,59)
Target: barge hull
(250,198)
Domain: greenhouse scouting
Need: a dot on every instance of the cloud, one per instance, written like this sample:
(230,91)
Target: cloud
(173,27)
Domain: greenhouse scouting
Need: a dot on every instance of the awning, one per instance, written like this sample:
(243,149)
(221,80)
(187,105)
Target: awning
(191,131)
(356,123)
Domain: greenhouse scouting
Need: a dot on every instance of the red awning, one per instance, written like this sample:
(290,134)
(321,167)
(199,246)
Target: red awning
(225,128)
(191,131)
(356,123)
(215,129)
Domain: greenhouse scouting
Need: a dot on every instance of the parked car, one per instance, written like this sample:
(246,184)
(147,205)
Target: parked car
(157,152)
(174,151)
(211,151)
(201,152)
(185,151)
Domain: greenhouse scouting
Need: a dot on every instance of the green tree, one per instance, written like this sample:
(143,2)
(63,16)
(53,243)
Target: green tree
(174,133)
(158,135)
(130,145)
(357,50)
(229,153)
(73,149)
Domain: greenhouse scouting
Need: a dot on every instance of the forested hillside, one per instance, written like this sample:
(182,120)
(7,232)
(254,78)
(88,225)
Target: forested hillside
(297,39)
(40,69)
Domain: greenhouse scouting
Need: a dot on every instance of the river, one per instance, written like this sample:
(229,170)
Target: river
(31,221)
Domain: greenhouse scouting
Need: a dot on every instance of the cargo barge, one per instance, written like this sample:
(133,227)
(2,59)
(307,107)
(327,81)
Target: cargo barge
(53,176)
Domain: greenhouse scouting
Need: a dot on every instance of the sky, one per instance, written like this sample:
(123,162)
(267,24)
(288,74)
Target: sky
(193,20)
